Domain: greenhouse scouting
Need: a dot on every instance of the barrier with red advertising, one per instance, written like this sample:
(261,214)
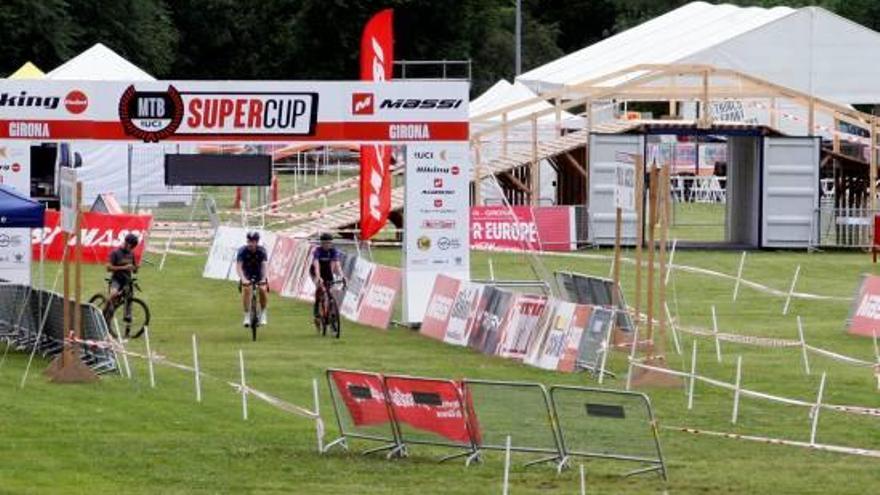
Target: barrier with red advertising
(428,405)
(380,296)
(864,317)
(281,262)
(101,234)
(439,309)
(363,395)
(525,228)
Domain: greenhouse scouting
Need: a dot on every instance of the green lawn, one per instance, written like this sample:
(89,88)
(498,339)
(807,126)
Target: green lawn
(121,436)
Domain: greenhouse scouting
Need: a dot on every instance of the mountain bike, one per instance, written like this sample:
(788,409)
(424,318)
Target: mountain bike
(254,309)
(134,312)
(328,309)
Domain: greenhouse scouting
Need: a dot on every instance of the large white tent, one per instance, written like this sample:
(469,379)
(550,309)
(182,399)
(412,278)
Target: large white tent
(809,49)
(133,172)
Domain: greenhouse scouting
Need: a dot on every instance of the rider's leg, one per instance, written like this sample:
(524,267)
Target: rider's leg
(246,303)
(264,301)
(315,307)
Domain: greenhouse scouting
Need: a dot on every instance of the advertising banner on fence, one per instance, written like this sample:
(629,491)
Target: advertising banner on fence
(15,165)
(429,405)
(523,228)
(281,262)
(221,258)
(381,293)
(356,289)
(521,324)
(100,234)
(464,313)
(299,284)
(363,396)
(440,307)
(573,339)
(595,336)
(864,318)
(436,227)
(15,255)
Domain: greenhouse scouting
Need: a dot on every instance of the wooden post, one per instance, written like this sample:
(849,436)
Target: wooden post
(652,219)
(536,165)
(835,137)
(77,267)
(640,229)
(65,267)
(615,302)
(663,213)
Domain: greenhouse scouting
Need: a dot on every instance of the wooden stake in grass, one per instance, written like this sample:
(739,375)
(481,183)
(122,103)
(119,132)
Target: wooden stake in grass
(739,362)
(715,334)
(794,280)
(739,273)
(652,247)
(197,374)
(640,228)
(244,392)
(804,356)
(815,423)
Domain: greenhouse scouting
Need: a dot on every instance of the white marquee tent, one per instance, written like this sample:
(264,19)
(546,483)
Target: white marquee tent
(809,49)
(111,167)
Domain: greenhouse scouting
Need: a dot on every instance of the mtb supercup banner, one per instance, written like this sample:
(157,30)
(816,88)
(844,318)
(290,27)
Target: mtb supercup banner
(436,233)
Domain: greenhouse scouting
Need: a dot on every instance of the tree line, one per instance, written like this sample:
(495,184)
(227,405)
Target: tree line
(320,39)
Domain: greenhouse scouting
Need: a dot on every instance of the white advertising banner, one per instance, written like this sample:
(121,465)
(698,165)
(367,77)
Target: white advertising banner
(15,165)
(67,186)
(15,255)
(221,259)
(625,187)
(436,221)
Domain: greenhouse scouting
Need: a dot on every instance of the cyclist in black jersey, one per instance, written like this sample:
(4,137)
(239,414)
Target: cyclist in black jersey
(325,267)
(251,261)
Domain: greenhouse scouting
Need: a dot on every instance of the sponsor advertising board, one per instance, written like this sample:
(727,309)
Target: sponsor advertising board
(15,165)
(429,405)
(380,296)
(864,318)
(15,252)
(440,306)
(523,228)
(100,234)
(462,317)
(521,324)
(436,229)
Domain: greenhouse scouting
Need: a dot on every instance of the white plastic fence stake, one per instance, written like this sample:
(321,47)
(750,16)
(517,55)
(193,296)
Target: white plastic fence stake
(149,357)
(672,328)
(794,280)
(803,346)
(491,270)
(739,362)
(877,354)
(244,404)
(319,426)
(505,488)
(739,274)
(816,409)
(715,334)
(693,376)
(632,356)
(606,345)
(583,481)
(669,265)
(198,374)
(611,269)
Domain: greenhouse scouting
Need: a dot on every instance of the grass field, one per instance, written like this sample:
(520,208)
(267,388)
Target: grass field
(120,436)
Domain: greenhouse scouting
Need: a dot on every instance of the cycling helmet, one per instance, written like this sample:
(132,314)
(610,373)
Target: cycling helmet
(131,240)
(253,236)
(326,237)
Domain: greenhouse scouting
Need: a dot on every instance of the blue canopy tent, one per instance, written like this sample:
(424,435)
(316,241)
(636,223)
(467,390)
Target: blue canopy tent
(18,210)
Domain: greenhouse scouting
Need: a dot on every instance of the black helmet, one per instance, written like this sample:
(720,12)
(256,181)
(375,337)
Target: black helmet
(131,240)
(253,236)
(326,237)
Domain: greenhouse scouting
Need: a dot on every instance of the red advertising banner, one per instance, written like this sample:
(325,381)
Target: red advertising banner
(377,64)
(380,295)
(280,263)
(865,312)
(572,349)
(429,405)
(524,228)
(101,234)
(440,307)
(363,395)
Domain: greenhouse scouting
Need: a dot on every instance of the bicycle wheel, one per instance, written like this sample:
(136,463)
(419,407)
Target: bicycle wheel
(132,317)
(255,318)
(335,323)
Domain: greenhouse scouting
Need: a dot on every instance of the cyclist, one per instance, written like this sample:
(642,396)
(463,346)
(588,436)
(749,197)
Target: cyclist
(121,265)
(251,266)
(325,264)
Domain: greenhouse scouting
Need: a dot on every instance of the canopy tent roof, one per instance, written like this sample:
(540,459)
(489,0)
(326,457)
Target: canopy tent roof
(99,63)
(28,71)
(17,210)
(808,49)
(503,94)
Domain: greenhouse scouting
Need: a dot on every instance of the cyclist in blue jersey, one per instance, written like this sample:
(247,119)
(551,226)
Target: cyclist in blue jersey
(325,267)
(251,262)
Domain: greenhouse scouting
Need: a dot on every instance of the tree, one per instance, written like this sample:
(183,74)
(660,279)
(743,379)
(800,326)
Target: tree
(40,32)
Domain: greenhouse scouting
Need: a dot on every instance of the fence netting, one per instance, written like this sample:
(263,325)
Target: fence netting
(32,318)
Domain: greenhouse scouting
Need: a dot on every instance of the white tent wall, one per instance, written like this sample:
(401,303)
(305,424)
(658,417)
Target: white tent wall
(105,169)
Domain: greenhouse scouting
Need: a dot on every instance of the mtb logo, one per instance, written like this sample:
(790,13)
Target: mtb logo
(150,115)
(362,103)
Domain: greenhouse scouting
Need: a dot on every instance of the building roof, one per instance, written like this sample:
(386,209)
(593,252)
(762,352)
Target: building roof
(27,71)
(808,49)
(99,63)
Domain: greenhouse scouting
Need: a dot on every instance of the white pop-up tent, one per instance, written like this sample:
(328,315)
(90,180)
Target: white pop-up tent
(808,49)
(133,172)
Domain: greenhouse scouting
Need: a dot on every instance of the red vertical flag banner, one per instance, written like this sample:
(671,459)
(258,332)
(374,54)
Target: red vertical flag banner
(377,64)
